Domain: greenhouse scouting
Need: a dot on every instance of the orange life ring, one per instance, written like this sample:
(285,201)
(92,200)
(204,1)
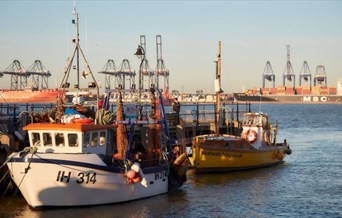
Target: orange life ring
(82,120)
(251,136)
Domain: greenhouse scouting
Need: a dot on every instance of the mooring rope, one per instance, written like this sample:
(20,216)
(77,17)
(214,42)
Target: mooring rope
(31,150)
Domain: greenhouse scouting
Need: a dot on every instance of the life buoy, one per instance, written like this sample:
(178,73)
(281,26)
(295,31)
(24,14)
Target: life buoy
(82,120)
(251,136)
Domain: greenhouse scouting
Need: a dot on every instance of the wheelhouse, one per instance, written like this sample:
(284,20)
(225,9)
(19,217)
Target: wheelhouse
(255,119)
(69,138)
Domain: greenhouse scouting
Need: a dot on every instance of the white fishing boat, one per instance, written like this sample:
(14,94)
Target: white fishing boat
(75,160)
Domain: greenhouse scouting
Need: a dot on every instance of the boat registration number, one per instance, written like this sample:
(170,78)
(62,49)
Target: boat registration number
(81,178)
(160,175)
(219,153)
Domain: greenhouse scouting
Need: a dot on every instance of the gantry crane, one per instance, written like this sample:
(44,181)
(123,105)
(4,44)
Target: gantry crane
(125,70)
(18,75)
(145,67)
(161,69)
(268,75)
(320,76)
(288,73)
(38,71)
(110,71)
(305,74)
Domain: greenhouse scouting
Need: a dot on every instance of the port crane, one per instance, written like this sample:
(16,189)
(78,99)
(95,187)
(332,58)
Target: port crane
(268,75)
(146,70)
(39,72)
(320,76)
(109,70)
(288,73)
(161,69)
(125,70)
(305,74)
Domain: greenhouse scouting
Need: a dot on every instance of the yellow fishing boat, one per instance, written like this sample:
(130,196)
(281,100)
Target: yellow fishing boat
(255,147)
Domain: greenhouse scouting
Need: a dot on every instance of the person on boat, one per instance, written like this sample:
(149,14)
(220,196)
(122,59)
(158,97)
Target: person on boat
(175,108)
(78,100)
(103,116)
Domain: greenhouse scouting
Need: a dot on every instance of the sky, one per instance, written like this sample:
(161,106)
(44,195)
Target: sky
(251,33)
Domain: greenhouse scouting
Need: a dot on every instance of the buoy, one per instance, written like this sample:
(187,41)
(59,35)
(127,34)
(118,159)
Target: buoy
(82,120)
(280,156)
(136,167)
(131,174)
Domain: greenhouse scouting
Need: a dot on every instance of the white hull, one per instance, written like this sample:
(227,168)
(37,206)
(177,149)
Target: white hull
(79,179)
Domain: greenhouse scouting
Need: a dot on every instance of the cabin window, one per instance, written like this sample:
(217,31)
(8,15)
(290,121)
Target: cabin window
(264,122)
(35,139)
(86,139)
(59,139)
(47,139)
(73,140)
(94,139)
(247,120)
(102,138)
(257,121)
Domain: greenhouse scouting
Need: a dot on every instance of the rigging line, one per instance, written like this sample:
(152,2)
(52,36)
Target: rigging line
(22,179)
(4,176)
(8,159)
(9,186)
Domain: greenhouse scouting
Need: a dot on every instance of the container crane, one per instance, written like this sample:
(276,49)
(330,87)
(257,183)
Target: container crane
(288,73)
(18,75)
(37,70)
(268,75)
(320,76)
(305,74)
(161,69)
(110,71)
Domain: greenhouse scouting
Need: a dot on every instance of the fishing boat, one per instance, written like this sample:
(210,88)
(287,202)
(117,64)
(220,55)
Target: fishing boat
(79,160)
(255,147)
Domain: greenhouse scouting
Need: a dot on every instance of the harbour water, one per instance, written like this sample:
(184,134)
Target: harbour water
(308,184)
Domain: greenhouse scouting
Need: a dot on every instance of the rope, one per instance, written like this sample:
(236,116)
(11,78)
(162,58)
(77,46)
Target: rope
(4,176)
(9,186)
(28,150)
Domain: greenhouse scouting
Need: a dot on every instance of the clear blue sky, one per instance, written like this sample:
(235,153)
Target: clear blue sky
(252,33)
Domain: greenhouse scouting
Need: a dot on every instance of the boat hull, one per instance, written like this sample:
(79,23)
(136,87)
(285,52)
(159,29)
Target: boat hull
(79,180)
(303,99)
(28,96)
(219,161)
(211,158)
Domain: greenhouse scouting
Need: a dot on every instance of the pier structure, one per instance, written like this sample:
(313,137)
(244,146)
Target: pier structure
(289,73)
(161,70)
(320,76)
(268,75)
(305,74)
(146,70)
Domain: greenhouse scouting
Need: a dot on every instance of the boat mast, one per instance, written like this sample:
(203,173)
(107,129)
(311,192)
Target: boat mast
(218,89)
(77,49)
(92,85)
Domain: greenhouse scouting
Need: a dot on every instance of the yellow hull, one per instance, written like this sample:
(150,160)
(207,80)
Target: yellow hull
(217,159)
